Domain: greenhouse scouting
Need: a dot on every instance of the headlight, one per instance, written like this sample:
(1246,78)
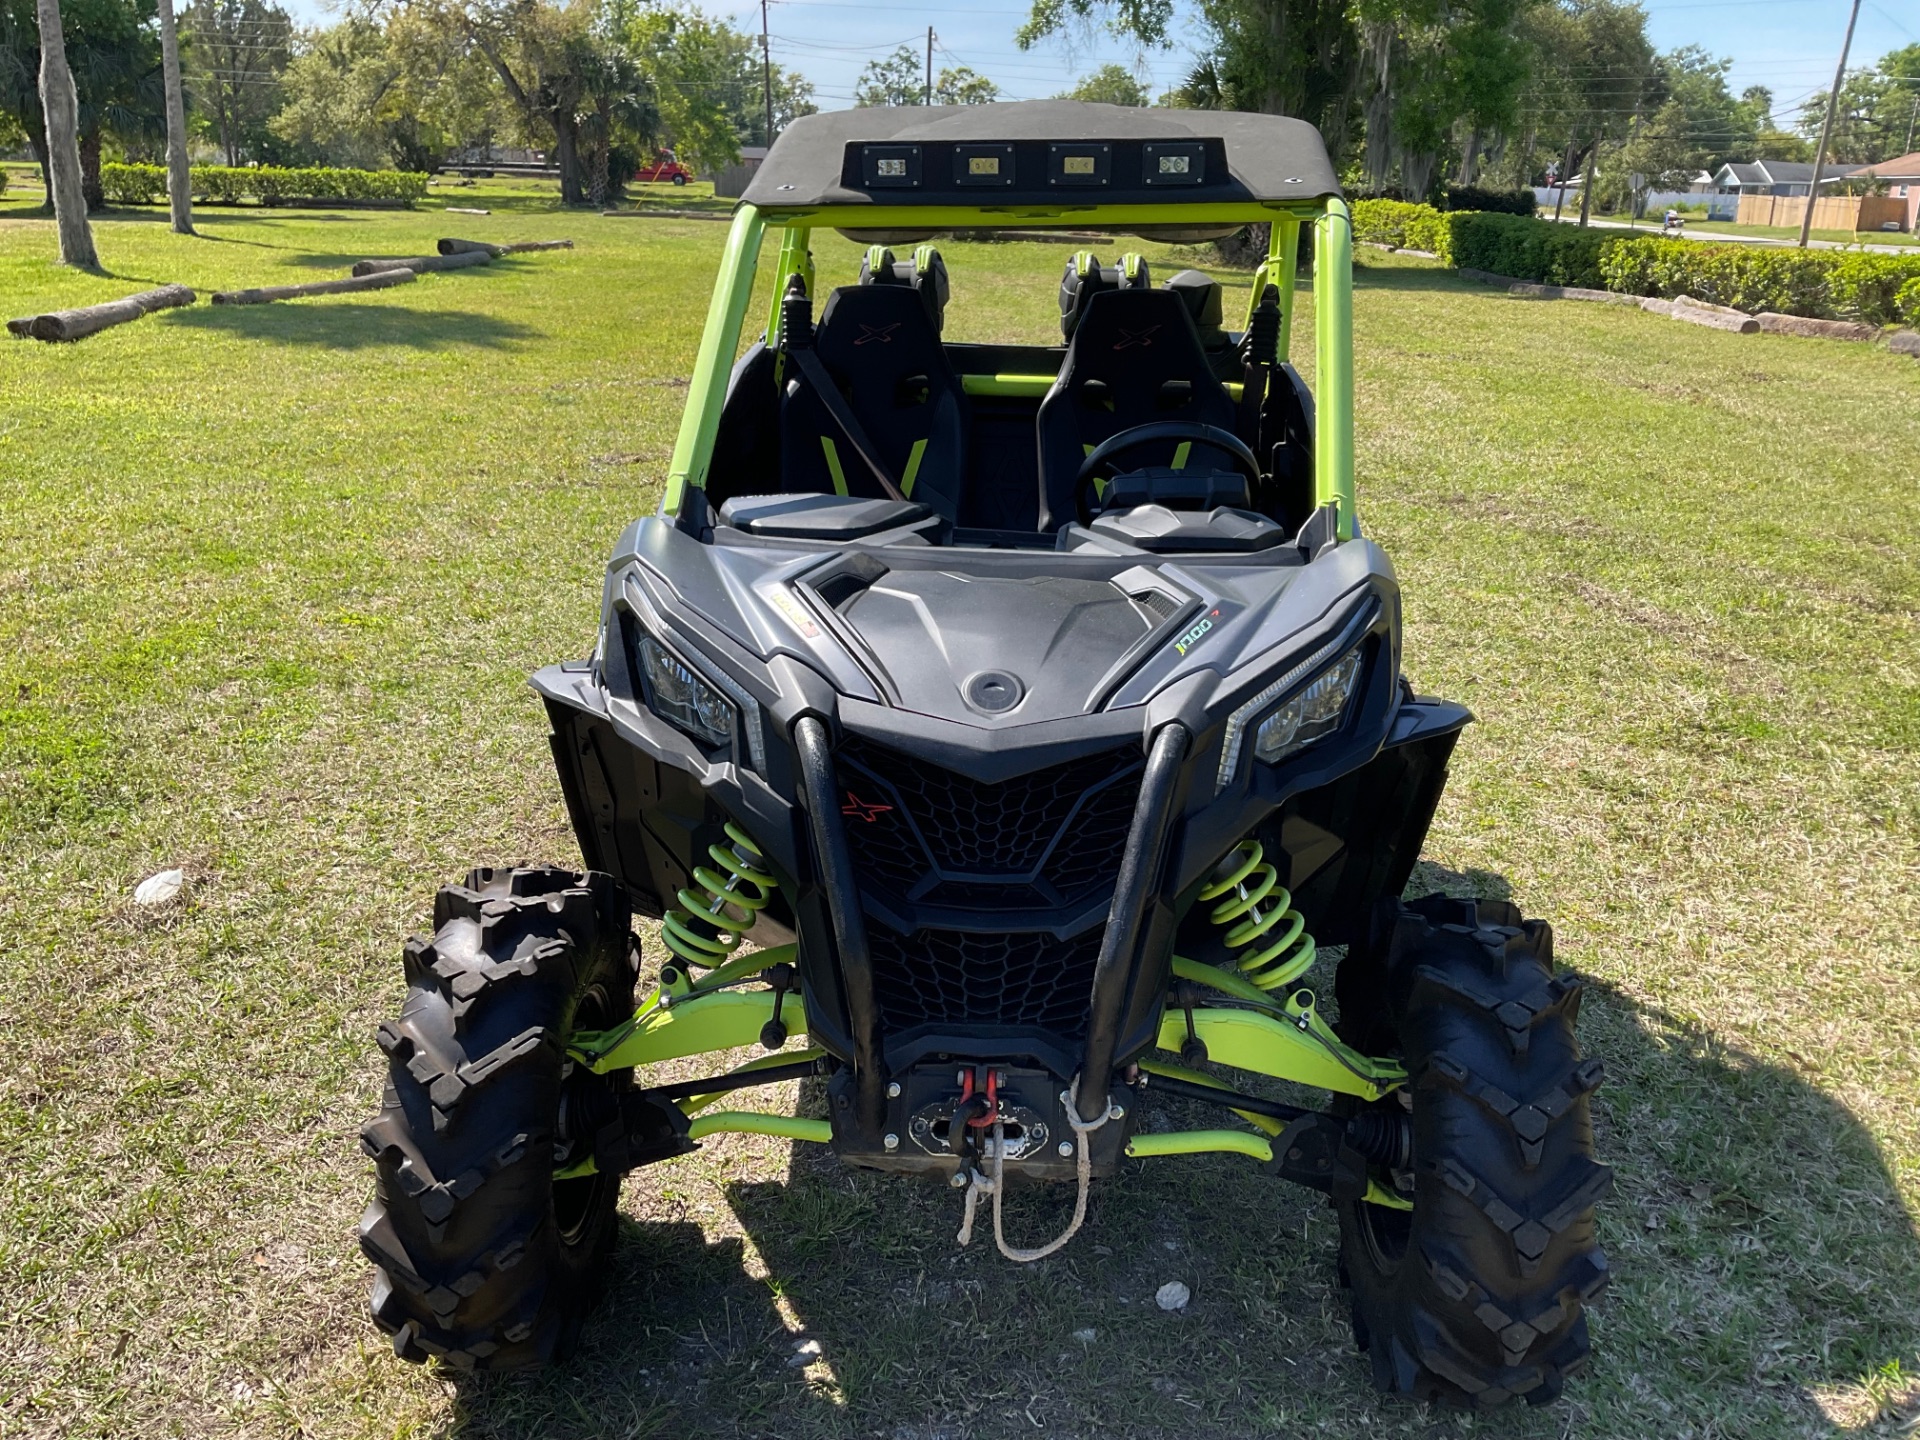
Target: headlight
(682,698)
(1301,716)
(1314,712)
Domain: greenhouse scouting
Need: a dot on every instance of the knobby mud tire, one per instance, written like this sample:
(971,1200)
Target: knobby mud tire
(1478,1294)
(482,1259)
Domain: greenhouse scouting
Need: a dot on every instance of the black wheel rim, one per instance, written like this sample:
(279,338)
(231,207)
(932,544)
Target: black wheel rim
(577,1202)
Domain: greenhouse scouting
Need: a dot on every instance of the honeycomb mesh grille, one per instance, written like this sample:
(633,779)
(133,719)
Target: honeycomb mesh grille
(954,977)
(1061,828)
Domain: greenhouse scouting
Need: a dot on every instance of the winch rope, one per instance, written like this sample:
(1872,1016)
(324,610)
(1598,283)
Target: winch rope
(979,1185)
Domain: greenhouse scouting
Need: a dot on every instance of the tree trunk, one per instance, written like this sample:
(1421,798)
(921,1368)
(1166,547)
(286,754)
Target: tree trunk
(1416,174)
(90,185)
(1586,186)
(1470,156)
(1379,105)
(46,173)
(62,107)
(1275,99)
(566,153)
(179,183)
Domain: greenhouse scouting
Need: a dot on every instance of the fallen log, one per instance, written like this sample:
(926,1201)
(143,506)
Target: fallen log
(266,294)
(418,263)
(62,325)
(1774,323)
(483,247)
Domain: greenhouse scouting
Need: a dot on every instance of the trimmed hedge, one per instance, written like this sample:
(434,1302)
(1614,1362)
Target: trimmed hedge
(1907,302)
(1403,226)
(1496,202)
(1530,249)
(266,184)
(1824,284)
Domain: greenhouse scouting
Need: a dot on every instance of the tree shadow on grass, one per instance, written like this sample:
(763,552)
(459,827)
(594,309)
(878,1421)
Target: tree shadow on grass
(330,323)
(1765,1269)
(1415,277)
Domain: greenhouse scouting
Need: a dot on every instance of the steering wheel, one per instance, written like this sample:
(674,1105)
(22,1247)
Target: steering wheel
(1129,439)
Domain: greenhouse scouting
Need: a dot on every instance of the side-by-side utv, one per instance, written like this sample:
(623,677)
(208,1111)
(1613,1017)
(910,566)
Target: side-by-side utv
(1004,734)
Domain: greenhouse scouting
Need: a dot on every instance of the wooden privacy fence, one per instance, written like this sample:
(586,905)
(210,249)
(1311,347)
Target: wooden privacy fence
(1832,212)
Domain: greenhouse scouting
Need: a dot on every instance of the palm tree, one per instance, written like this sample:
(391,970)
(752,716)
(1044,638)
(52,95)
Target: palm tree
(179,178)
(63,143)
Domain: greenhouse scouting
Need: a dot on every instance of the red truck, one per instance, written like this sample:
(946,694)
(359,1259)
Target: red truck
(662,169)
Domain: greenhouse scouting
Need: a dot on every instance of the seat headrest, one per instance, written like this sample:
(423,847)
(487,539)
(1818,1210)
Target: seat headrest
(880,325)
(925,274)
(1086,277)
(1201,292)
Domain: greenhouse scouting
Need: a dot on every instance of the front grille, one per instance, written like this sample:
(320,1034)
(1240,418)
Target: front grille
(921,833)
(956,977)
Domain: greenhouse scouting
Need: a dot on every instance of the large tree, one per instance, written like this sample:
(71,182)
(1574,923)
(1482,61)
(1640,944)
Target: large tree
(113,56)
(179,176)
(896,80)
(1878,117)
(62,129)
(1110,85)
(371,96)
(237,53)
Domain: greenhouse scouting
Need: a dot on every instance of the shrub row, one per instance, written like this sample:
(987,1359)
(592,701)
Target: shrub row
(1823,284)
(1497,202)
(1826,284)
(1530,249)
(1403,226)
(1460,197)
(147,184)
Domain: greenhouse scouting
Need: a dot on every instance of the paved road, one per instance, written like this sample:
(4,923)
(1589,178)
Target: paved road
(1649,229)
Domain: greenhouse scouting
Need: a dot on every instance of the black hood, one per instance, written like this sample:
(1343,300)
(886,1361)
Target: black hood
(998,648)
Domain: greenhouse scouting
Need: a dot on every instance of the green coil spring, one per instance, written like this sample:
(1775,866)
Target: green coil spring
(716,917)
(1269,934)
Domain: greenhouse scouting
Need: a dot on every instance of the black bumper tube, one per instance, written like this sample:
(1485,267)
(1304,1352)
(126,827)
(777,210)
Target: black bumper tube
(849,924)
(1139,873)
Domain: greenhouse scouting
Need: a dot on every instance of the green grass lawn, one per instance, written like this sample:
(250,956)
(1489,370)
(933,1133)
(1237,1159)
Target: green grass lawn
(271,579)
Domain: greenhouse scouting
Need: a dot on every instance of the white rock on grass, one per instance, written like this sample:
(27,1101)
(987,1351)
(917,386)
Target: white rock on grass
(1172,1296)
(158,889)
(1086,1337)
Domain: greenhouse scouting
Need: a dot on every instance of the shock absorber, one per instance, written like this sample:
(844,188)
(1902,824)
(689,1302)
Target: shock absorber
(1268,934)
(714,919)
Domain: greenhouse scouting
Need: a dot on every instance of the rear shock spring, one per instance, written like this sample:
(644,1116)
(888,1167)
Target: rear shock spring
(715,918)
(1268,934)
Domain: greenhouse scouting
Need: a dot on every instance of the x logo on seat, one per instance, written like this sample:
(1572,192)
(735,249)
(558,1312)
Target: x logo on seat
(882,333)
(1130,338)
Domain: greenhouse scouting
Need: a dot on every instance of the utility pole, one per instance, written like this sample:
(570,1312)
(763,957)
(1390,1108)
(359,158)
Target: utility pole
(1912,116)
(929,65)
(766,70)
(1826,127)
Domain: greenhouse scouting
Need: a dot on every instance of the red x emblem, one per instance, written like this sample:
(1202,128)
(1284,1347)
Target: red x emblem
(882,333)
(858,809)
(1128,338)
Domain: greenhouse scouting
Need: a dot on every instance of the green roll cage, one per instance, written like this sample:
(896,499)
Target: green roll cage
(1332,307)
(1283,1038)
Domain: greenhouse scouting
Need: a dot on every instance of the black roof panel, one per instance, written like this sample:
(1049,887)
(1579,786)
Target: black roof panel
(1040,151)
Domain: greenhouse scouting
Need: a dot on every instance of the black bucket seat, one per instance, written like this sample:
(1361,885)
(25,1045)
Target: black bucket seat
(877,345)
(1133,358)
